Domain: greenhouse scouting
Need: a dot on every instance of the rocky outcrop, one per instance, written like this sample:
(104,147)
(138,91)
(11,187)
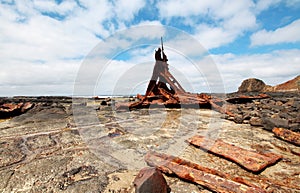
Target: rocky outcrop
(47,150)
(252,85)
(291,85)
(257,85)
(281,109)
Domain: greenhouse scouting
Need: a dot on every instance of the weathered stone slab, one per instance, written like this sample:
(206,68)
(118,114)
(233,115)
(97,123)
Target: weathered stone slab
(77,174)
(250,160)
(11,152)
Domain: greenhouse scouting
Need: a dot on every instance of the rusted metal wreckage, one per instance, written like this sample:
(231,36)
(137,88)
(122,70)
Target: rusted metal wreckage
(250,160)
(8,110)
(287,135)
(207,177)
(165,91)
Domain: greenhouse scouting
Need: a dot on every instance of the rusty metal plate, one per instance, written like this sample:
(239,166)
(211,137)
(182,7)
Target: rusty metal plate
(210,178)
(250,160)
(287,135)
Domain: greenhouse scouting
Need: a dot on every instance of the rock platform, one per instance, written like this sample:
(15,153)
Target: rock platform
(47,149)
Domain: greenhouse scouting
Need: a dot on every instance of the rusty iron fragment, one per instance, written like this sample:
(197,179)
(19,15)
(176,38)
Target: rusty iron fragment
(250,160)
(210,178)
(246,99)
(150,180)
(287,135)
(10,109)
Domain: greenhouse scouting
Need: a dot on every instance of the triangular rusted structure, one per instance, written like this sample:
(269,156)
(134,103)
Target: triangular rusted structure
(164,90)
(161,77)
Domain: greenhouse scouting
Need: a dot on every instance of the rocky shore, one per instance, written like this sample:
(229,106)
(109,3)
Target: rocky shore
(57,145)
(280,110)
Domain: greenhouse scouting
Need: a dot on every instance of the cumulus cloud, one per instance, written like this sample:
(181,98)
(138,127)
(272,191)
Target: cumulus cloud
(286,34)
(126,11)
(262,5)
(44,42)
(273,68)
(292,3)
(220,22)
(213,37)
(53,78)
(51,6)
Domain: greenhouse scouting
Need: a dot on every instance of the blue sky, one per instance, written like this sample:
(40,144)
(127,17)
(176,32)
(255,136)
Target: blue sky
(44,43)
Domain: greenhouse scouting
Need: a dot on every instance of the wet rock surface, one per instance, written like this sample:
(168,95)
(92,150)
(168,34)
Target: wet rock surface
(58,146)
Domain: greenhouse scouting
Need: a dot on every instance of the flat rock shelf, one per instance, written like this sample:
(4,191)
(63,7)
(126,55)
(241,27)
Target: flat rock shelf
(45,150)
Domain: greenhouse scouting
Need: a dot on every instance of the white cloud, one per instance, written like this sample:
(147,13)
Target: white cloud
(273,68)
(47,38)
(222,21)
(146,29)
(212,37)
(286,34)
(25,8)
(240,22)
(51,78)
(186,45)
(204,75)
(183,8)
(51,6)
(126,11)
(292,3)
(45,50)
(219,21)
(262,5)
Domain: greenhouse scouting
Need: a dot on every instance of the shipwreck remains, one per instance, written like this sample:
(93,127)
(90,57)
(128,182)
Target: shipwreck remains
(250,160)
(287,135)
(210,178)
(8,110)
(164,90)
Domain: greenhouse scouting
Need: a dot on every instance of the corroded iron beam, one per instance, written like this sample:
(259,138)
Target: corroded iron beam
(250,160)
(287,135)
(210,178)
